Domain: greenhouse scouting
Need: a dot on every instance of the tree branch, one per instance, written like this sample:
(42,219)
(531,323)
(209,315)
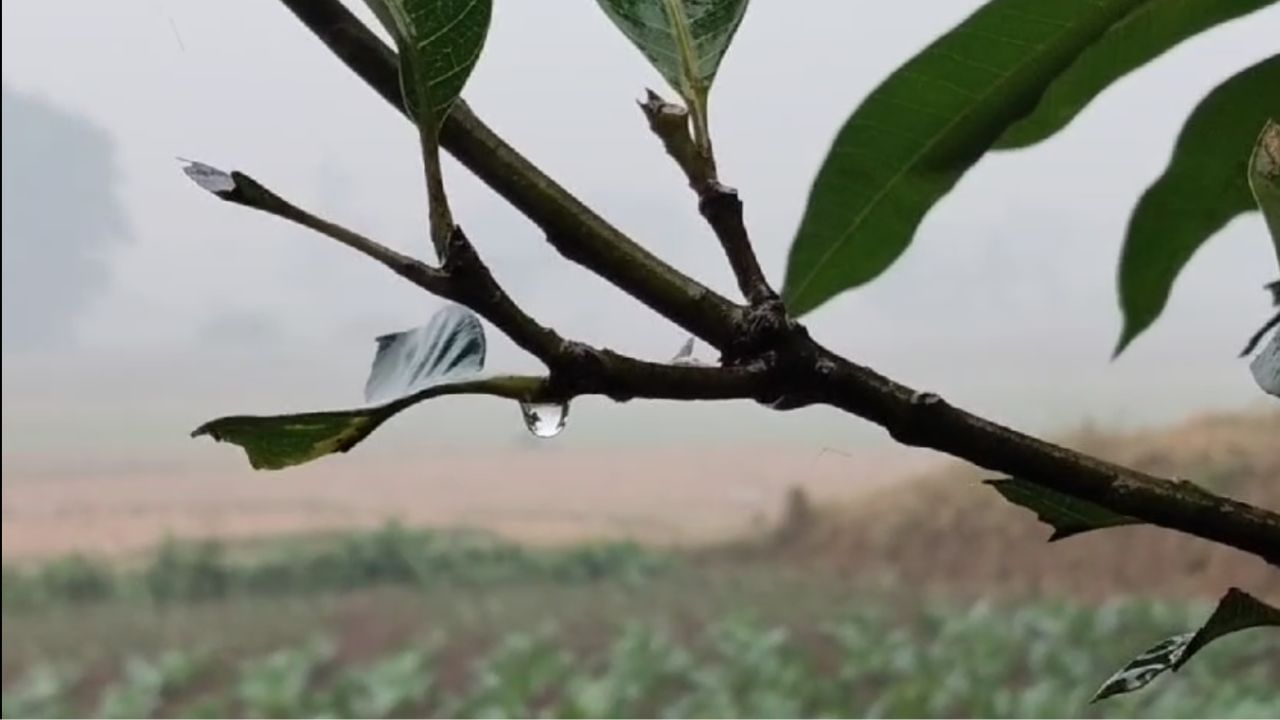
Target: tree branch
(926,420)
(718,203)
(574,230)
(576,368)
(776,362)
(253,194)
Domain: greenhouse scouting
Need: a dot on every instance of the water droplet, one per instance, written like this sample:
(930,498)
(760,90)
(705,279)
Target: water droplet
(545,420)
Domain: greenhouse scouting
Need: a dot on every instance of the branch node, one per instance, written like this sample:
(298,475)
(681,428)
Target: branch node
(925,399)
(670,122)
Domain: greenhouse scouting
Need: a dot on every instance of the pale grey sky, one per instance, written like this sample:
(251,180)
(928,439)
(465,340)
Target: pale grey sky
(1005,302)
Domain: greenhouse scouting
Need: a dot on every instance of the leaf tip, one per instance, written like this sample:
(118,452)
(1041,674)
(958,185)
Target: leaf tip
(219,182)
(1127,336)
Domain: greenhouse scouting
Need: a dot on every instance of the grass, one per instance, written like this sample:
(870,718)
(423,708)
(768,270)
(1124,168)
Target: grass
(624,632)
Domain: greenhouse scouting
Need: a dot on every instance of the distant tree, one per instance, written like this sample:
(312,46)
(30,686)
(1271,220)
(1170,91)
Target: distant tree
(62,218)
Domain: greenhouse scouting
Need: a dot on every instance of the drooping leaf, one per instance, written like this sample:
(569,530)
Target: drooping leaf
(274,442)
(1237,610)
(1153,27)
(1066,514)
(440,358)
(1264,181)
(684,39)
(913,137)
(451,345)
(439,43)
(1204,186)
(281,441)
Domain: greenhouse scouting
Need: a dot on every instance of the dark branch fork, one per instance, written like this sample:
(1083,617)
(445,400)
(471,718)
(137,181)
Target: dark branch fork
(768,357)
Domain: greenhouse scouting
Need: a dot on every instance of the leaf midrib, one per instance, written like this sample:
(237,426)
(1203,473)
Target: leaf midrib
(876,198)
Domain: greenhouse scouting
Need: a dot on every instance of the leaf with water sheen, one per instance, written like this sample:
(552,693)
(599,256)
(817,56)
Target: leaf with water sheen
(451,345)
(1152,28)
(917,133)
(409,367)
(1204,186)
(1266,366)
(1237,610)
(1066,514)
(685,40)
(439,43)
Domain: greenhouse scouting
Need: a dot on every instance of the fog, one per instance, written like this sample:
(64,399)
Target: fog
(136,305)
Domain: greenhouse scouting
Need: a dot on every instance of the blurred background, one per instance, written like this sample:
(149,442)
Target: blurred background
(712,559)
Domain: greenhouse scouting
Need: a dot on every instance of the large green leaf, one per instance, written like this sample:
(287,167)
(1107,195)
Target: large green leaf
(439,43)
(1237,610)
(913,137)
(684,39)
(1204,186)
(1067,515)
(1152,28)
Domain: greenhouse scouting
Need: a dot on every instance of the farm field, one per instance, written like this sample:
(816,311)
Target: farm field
(832,609)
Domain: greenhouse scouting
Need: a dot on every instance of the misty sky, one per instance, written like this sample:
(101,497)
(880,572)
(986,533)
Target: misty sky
(185,308)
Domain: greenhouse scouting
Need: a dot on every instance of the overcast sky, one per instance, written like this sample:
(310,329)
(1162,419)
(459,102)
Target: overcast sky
(1004,303)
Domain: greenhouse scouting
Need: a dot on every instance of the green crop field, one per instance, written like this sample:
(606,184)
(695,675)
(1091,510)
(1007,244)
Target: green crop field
(402,623)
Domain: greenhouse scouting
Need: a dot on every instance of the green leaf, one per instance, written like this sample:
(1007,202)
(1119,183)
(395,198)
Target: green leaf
(1237,610)
(913,137)
(1066,514)
(1204,186)
(1264,181)
(1152,28)
(408,368)
(684,39)
(281,441)
(439,43)
(274,442)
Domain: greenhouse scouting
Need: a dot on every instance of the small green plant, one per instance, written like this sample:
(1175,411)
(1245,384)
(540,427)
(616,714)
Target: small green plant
(280,684)
(146,684)
(865,658)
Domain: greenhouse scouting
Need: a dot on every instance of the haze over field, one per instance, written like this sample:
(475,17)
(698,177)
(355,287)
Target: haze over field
(136,306)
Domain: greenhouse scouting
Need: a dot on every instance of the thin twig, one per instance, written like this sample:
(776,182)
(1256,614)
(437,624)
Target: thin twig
(718,203)
(251,193)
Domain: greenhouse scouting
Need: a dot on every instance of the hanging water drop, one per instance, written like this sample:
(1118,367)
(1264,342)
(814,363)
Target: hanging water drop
(545,420)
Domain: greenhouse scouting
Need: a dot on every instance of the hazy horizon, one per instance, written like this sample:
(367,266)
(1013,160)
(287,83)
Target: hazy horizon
(186,308)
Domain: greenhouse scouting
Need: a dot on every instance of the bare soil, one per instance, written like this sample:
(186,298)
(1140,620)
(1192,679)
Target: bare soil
(540,496)
(947,529)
